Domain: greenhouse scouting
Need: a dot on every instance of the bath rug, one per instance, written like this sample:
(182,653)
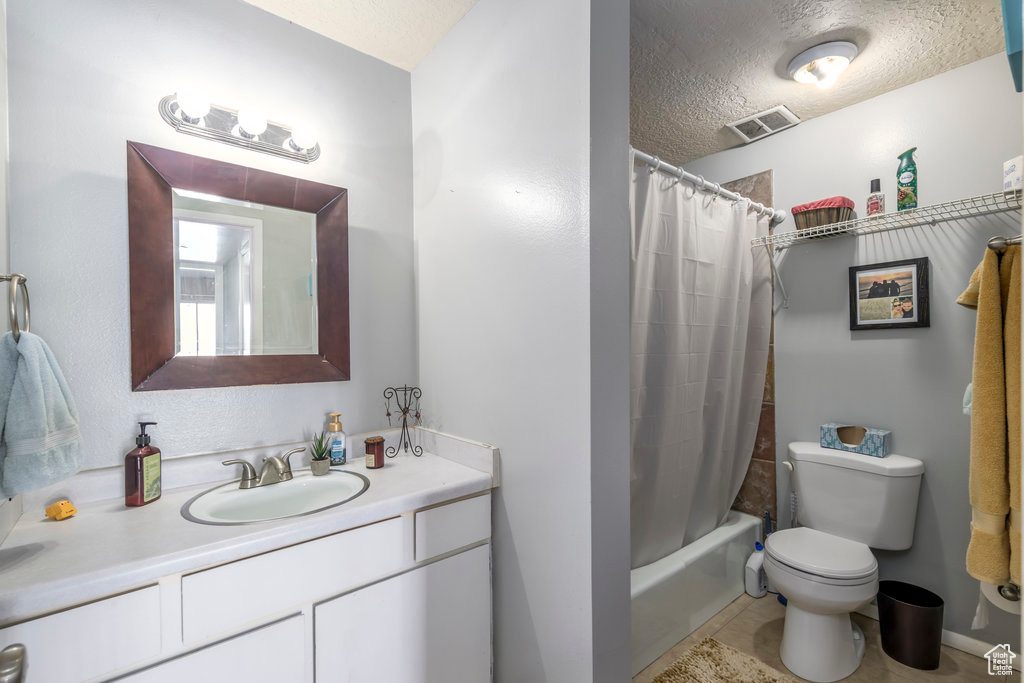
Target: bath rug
(711,662)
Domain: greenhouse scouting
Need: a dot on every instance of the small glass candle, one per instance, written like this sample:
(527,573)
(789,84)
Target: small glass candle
(374,452)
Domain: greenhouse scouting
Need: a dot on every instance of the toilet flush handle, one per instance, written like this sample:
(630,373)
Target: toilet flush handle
(788,465)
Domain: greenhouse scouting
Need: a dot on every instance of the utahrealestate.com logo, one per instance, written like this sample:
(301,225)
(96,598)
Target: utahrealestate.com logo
(1000,661)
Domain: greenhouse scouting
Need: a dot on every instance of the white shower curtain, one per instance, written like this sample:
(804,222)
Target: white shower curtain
(701,316)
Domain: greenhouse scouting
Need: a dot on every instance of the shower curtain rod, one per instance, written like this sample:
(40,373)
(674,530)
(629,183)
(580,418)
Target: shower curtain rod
(775,215)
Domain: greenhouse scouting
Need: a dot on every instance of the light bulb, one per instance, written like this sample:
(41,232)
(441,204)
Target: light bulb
(822,64)
(192,104)
(251,122)
(302,139)
(826,71)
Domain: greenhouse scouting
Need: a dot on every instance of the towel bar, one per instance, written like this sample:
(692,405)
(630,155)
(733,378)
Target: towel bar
(18,280)
(1002,242)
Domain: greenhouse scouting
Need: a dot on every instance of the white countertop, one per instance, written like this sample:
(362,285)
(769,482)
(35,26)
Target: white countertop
(108,548)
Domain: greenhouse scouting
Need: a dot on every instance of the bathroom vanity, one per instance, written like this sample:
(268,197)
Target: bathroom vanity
(391,586)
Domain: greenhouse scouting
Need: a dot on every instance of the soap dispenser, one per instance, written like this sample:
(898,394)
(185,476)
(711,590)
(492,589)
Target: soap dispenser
(338,440)
(142,471)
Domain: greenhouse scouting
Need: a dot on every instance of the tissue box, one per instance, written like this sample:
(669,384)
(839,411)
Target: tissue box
(1012,174)
(864,440)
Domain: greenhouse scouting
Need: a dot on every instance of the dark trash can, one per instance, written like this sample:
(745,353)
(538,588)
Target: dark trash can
(910,618)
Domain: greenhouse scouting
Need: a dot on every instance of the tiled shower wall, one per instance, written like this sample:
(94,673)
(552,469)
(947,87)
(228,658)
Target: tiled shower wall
(757,493)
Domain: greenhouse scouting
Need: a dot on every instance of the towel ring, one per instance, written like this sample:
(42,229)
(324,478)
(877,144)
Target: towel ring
(17,281)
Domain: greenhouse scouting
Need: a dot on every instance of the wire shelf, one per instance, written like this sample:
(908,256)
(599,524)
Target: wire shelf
(972,207)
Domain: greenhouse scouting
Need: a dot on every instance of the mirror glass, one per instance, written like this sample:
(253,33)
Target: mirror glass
(245,278)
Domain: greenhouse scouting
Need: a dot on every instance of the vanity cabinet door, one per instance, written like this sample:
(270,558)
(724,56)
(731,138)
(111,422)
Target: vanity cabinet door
(272,654)
(429,625)
(238,595)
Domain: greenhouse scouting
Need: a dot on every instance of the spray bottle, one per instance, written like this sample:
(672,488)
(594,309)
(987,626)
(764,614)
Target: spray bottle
(906,181)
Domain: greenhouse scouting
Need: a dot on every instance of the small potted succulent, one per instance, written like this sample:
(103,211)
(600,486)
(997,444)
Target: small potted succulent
(321,447)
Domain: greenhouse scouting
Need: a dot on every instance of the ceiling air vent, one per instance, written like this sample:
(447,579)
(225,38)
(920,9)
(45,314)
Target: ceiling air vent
(763,124)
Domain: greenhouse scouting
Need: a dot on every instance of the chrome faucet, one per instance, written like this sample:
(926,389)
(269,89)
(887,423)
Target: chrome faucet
(275,470)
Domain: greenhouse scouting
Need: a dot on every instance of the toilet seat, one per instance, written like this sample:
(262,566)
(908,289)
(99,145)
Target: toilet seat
(782,568)
(821,557)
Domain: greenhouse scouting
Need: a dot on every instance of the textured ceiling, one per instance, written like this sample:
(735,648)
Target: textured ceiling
(399,32)
(697,65)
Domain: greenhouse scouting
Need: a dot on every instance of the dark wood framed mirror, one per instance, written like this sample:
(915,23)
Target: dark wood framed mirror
(155,177)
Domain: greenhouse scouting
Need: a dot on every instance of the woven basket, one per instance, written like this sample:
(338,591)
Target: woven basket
(822,212)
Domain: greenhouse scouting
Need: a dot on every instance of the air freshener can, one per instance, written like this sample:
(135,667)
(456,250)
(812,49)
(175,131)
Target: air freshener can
(906,181)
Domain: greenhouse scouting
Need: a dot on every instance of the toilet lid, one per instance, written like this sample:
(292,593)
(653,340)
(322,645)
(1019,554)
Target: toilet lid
(821,554)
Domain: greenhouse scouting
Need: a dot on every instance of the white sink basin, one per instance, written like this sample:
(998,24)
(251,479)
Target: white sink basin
(304,494)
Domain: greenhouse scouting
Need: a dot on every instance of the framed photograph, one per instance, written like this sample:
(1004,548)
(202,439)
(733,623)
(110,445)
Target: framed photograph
(884,296)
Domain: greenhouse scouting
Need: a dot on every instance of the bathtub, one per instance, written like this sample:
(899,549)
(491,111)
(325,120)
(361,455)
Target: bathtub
(671,598)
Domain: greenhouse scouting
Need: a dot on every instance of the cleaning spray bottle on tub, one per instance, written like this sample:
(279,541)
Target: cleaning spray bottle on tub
(906,181)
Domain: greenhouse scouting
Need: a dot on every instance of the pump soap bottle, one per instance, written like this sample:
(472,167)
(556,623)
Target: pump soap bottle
(142,471)
(338,443)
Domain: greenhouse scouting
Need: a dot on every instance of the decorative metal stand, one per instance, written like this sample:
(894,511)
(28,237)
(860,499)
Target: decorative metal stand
(406,399)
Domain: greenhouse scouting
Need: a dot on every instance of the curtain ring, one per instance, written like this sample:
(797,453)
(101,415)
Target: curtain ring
(717,191)
(18,280)
(656,167)
(700,181)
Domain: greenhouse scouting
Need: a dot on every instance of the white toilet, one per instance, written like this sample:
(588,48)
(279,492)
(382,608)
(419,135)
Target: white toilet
(847,503)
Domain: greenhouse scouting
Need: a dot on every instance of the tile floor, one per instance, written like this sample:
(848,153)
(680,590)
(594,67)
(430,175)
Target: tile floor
(754,626)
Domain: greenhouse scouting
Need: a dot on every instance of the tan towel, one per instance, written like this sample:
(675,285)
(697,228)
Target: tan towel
(994,290)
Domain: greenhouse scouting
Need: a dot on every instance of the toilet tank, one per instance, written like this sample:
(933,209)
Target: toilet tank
(859,497)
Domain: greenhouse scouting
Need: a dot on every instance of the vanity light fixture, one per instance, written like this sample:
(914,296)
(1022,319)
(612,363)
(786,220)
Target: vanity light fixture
(823,63)
(191,112)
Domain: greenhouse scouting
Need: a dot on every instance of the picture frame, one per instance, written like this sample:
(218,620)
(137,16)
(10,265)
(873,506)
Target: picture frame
(889,295)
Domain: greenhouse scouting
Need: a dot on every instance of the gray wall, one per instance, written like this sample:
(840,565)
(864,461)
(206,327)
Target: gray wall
(503,190)
(965,122)
(86,77)
(9,510)
(4,152)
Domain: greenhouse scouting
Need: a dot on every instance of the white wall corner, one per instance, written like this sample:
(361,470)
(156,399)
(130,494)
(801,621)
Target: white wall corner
(609,339)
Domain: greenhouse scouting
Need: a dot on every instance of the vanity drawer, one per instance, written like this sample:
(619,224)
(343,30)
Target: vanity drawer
(231,596)
(447,527)
(89,641)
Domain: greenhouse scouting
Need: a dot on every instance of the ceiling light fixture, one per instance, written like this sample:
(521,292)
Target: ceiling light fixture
(823,63)
(192,113)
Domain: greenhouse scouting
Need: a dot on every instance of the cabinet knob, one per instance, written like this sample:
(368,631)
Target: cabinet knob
(12,664)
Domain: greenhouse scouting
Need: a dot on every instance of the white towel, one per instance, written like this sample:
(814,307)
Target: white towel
(41,444)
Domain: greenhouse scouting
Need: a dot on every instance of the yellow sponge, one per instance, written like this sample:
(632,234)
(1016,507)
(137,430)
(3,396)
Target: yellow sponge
(62,509)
